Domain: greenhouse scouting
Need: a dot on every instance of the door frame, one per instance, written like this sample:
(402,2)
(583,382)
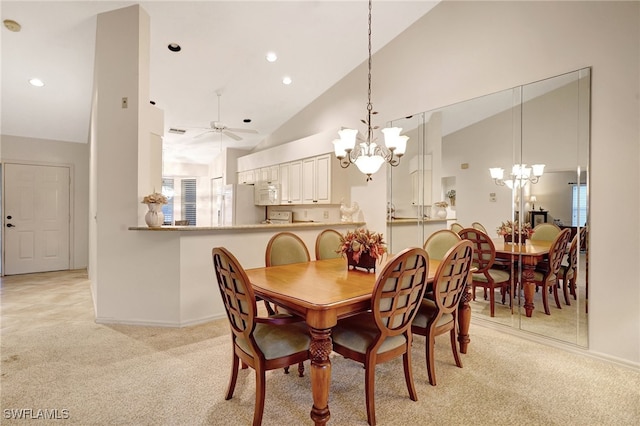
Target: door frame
(72,221)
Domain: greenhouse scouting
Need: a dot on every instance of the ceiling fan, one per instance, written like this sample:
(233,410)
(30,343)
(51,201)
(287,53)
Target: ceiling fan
(222,129)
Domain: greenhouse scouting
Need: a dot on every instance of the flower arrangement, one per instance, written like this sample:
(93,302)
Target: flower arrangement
(451,193)
(442,204)
(156,197)
(362,241)
(513,227)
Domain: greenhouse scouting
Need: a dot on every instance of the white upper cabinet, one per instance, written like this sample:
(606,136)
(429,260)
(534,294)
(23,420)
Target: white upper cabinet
(320,183)
(290,179)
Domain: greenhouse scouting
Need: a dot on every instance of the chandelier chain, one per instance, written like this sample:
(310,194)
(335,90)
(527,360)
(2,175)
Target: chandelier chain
(369,105)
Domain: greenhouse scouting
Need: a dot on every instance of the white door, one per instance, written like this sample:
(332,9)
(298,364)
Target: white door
(36,218)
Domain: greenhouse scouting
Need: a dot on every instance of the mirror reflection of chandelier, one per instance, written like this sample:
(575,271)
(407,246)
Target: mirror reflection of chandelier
(367,155)
(520,175)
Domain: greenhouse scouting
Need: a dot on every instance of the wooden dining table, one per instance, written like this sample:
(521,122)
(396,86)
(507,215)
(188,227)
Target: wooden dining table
(323,292)
(529,255)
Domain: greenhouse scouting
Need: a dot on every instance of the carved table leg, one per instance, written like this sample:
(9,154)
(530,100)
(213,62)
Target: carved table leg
(464,319)
(319,350)
(529,288)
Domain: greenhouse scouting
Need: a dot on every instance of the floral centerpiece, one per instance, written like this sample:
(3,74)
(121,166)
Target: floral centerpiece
(441,204)
(514,231)
(362,248)
(154,217)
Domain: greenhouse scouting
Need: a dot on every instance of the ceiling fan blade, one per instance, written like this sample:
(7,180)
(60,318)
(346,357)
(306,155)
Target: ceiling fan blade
(232,135)
(203,133)
(243,130)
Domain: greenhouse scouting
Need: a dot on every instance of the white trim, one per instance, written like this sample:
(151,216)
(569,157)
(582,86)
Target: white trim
(160,323)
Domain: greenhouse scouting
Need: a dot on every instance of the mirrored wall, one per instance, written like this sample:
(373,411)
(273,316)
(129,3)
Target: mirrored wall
(447,161)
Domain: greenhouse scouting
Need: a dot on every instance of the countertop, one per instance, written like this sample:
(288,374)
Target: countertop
(258,226)
(402,220)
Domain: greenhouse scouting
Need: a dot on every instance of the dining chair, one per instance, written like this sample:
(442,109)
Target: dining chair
(438,316)
(484,256)
(327,244)
(568,273)
(456,227)
(548,279)
(545,232)
(384,332)
(439,243)
(479,226)
(285,248)
(262,343)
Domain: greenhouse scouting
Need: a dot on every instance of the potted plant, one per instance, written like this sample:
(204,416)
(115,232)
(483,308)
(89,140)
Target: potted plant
(514,232)
(451,195)
(362,248)
(154,218)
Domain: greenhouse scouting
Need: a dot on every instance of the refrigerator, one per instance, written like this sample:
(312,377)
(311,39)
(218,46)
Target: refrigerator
(234,205)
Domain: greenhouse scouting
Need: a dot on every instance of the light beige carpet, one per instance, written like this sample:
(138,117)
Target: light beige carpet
(55,357)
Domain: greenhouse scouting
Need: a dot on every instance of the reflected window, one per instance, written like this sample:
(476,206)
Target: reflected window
(579,205)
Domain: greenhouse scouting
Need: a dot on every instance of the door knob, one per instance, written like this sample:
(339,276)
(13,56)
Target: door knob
(9,225)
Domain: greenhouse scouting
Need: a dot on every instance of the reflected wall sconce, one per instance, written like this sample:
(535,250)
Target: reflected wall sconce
(367,155)
(520,175)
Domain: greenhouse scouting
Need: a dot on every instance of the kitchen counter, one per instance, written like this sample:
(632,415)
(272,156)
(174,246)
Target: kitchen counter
(257,226)
(413,220)
(179,273)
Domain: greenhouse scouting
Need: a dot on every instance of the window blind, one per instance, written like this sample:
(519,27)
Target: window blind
(189,198)
(579,205)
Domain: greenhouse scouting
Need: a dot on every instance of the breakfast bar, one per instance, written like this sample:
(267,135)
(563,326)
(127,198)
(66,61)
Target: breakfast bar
(179,288)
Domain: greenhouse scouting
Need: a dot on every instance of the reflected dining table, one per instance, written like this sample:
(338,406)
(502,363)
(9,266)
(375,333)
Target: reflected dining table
(529,255)
(322,292)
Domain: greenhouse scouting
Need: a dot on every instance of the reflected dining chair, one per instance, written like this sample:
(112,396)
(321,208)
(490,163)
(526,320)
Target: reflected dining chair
(548,279)
(545,232)
(456,227)
(261,343)
(384,332)
(439,243)
(484,256)
(479,226)
(568,273)
(438,316)
(327,244)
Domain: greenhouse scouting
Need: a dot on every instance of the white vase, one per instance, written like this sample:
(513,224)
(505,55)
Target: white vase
(154,217)
(441,213)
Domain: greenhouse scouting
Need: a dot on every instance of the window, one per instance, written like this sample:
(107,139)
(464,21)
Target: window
(579,205)
(189,198)
(167,209)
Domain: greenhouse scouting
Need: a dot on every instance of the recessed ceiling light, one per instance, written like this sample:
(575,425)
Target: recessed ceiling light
(36,82)
(272,57)
(11,25)
(174,47)
(286,80)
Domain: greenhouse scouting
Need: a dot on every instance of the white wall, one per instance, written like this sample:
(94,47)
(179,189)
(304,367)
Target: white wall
(462,50)
(76,155)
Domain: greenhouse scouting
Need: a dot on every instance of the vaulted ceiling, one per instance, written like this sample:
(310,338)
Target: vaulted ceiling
(224,44)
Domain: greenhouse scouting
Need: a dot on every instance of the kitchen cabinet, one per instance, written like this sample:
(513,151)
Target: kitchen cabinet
(290,179)
(247,177)
(320,183)
(269,174)
(421,188)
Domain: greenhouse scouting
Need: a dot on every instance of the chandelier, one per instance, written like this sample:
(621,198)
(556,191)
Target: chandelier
(520,175)
(367,155)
